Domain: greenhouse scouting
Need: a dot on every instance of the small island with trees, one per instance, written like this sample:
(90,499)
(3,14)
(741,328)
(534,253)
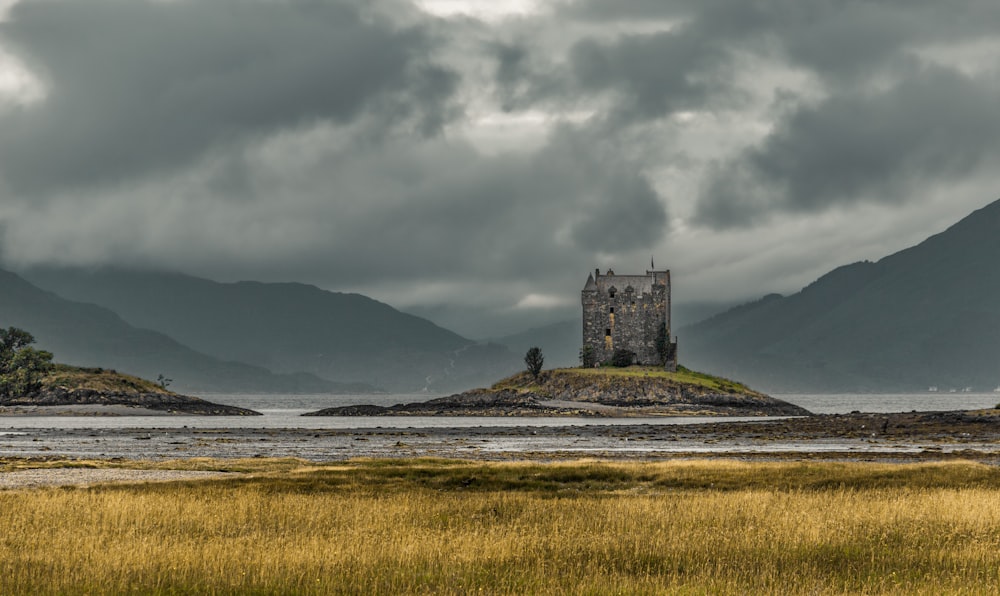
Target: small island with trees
(606,391)
(31,384)
(629,368)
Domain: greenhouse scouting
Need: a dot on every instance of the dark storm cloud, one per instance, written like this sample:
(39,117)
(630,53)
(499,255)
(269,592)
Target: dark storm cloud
(457,214)
(647,75)
(888,123)
(140,87)
(839,41)
(842,41)
(356,213)
(373,146)
(654,74)
(933,126)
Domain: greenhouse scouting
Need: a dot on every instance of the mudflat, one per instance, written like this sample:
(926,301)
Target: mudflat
(909,436)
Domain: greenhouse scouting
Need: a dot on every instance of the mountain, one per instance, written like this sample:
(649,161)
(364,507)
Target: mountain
(89,335)
(925,316)
(560,342)
(289,327)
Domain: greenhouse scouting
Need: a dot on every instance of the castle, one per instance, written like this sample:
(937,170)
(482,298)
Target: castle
(628,312)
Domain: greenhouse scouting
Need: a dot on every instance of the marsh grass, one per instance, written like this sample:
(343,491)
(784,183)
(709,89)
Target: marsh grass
(430,526)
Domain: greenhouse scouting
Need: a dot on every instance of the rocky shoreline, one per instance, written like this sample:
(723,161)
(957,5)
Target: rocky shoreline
(886,437)
(114,401)
(583,393)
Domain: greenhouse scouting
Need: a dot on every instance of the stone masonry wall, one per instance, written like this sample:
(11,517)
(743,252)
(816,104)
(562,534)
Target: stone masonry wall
(626,312)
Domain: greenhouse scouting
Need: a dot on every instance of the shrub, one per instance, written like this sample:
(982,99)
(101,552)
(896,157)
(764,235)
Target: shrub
(622,358)
(534,360)
(21,367)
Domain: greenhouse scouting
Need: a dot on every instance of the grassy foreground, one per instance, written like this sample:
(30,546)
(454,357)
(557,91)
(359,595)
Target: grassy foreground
(430,526)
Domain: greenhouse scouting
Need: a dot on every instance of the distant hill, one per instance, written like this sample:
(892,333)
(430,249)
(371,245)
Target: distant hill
(559,342)
(925,316)
(289,327)
(89,335)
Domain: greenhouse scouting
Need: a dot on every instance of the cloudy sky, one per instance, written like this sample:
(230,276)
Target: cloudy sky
(474,160)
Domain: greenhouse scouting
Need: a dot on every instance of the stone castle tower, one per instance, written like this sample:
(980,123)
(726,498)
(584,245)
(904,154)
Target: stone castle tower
(630,312)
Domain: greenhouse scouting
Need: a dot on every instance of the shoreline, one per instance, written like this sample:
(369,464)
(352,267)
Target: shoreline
(96,410)
(860,436)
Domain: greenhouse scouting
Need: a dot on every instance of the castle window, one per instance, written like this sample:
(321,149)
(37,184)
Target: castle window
(612,310)
(607,332)
(611,292)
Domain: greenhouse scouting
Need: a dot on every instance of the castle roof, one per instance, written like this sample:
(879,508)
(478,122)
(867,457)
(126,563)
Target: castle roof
(640,284)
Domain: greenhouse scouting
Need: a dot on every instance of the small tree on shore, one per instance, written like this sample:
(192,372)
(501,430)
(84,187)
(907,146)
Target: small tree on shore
(163,381)
(21,366)
(534,360)
(587,358)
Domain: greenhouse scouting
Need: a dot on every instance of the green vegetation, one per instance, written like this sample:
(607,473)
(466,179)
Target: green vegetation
(24,371)
(21,366)
(534,360)
(429,526)
(681,375)
(622,358)
(663,348)
(98,379)
(608,375)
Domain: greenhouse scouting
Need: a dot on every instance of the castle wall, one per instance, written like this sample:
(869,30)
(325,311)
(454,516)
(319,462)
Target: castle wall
(626,312)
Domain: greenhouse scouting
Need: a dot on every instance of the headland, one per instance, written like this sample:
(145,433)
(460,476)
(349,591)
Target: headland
(74,391)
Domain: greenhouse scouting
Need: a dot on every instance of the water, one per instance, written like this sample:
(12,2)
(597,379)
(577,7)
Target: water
(285,411)
(283,432)
(845,403)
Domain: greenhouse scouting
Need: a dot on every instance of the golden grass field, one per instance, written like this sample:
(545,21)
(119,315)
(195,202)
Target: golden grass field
(447,527)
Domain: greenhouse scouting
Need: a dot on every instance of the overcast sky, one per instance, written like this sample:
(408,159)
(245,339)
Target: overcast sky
(472,161)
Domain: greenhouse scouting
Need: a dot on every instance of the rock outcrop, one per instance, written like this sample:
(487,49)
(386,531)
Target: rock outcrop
(609,392)
(74,386)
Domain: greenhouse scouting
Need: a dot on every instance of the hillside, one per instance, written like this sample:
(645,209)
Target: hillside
(91,336)
(925,316)
(607,392)
(288,327)
(559,342)
(74,386)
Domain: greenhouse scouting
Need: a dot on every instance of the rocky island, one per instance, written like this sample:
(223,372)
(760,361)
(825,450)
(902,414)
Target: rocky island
(600,392)
(70,390)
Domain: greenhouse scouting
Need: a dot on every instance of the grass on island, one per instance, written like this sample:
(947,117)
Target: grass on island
(524,381)
(427,526)
(98,379)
